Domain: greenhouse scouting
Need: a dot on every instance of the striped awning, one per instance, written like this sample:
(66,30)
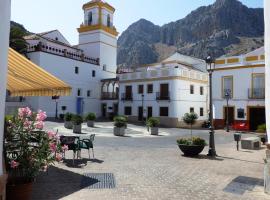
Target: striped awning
(27,79)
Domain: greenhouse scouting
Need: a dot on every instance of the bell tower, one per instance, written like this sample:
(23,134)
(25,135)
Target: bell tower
(97,34)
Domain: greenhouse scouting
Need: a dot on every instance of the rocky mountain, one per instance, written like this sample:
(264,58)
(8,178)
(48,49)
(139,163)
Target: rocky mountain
(225,27)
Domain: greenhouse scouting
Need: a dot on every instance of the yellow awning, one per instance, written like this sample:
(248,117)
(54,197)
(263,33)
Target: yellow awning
(27,79)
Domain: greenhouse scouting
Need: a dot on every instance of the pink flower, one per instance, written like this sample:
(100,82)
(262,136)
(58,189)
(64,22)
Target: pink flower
(14,164)
(41,116)
(45,168)
(65,147)
(51,134)
(24,112)
(39,125)
(58,157)
(53,147)
(27,124)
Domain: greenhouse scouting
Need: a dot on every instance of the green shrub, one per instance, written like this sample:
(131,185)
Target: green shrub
(90,117)
(153,122)
(261,128)
(9,117)
(68,117)
(190,119)
(191,141)
(120,121)
(77,119)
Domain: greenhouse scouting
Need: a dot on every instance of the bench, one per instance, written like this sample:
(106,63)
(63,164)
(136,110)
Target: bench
(253,143)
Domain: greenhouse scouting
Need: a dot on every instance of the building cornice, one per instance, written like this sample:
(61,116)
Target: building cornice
(99,4)
(239,67)
(110,30)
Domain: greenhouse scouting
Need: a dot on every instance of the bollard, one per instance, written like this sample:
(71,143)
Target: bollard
(237,138)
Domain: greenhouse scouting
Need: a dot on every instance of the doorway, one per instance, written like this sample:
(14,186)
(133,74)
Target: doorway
(256,117)
(104,109)
(230,115)
(149,112)
(140,114)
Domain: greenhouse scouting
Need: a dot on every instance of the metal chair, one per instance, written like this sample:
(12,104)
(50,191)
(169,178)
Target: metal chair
(73,144)
(87,144)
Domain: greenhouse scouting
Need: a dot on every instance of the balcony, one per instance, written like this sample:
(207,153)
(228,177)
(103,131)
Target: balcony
(256,93)
(163,96)
(109,96)
(126,97)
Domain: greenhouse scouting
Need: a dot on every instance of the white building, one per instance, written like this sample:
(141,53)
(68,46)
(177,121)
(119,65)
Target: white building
(243,77)
(82,66)
(166,90)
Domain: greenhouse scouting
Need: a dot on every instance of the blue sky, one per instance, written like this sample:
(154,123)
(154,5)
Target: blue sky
(66,15)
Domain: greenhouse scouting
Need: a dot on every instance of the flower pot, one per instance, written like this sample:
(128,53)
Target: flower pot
(90,123)
(191,150)
(68,124)
(19,191)
(77,128)
(154,130)
(119,131)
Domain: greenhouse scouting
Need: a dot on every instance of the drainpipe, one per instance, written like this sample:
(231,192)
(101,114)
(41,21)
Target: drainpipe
(267,91)
(4,44)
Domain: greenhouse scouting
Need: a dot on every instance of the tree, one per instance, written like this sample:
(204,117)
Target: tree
(17,41)
(190,119)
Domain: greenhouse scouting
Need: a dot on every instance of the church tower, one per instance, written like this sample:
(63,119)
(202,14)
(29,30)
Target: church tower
(97,34)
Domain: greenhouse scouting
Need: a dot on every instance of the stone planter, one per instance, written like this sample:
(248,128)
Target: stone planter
(19,191)
(154,130)
(119,131)
(77,128)
(191,150)
(68,124)
(90,123)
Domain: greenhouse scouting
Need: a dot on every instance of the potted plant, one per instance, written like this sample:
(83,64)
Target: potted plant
(261,131)
(120,123)
(192,146)
(28,150)
(90,119)
(77,121)
(68,121)
(153,124)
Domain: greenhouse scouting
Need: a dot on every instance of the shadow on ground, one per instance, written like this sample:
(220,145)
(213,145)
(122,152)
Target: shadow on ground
(59,183)
(80,163)
(241,184)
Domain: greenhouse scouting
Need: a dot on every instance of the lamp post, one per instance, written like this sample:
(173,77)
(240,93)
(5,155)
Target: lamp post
(56,105)
(210,66)
(227,97)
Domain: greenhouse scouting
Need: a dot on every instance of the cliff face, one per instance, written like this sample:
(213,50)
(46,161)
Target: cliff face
(225,27)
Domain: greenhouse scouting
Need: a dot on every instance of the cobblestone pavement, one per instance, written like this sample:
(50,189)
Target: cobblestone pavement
(154,169)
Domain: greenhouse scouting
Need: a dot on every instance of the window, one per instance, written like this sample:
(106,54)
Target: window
(201,90)
(88,93)
(257,86)
(191,89)
(128,110)
(164,111)
(76,70)
(104,67)
(90,18)
(201,112)
(108,20)
(240,113)
(79,92)
(227,82)
(150,88)
(191,110)
(140,89)
(93,73)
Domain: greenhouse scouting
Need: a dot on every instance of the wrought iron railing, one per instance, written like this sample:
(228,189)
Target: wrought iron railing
(163,96)
(256,93)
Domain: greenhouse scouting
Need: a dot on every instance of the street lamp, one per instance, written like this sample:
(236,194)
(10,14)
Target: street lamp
(210,67)
(56,105)
(227,97)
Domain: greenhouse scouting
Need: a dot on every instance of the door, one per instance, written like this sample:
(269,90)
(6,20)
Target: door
(256,117)
(230,115)
(115,109)
(164,90)
(104,109)
(79,106)
(149,112)
(128,92)
(140,113)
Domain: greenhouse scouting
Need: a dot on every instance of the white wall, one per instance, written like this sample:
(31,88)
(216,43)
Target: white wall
(267,61)
(64,69)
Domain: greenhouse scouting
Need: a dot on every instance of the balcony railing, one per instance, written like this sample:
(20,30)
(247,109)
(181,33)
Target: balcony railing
(75,55)
(109,96)
(126,97)
(15,99)
(162,96)
(256,93)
